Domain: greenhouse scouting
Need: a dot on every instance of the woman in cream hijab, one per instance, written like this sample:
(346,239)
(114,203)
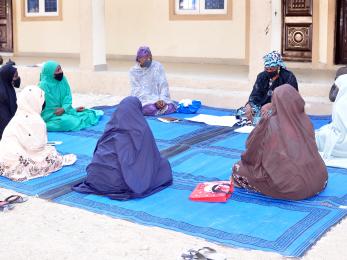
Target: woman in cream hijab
(332,139)
(24,153)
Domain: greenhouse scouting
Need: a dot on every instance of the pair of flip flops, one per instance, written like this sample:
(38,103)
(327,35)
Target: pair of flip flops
(205,253)
(8,203)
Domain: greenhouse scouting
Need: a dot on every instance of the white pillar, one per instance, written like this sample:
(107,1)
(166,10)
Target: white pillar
(260,35)
(323,31)
(92,35)
(276,26)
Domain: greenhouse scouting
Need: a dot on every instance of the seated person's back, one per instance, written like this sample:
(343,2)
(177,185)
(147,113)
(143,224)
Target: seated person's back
(281,158)
(126,163)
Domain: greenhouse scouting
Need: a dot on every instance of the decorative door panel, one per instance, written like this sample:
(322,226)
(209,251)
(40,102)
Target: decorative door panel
(297,30)
(341,32)
(6,44)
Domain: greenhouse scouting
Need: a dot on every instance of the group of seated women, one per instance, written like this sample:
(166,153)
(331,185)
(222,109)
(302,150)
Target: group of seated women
(281,159)
(126,162)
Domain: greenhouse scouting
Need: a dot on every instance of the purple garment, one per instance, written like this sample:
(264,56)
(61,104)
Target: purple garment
(143,52)
(126,162)
(152,110)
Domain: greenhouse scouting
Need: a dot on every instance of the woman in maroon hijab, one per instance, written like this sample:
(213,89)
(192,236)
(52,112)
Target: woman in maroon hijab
(281,158)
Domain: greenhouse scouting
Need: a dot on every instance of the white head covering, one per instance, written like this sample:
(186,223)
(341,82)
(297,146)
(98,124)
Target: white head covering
(331,139)
(341,83)
(26,133)
(24,153)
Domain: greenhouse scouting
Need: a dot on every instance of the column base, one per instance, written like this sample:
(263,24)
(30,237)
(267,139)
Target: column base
(100,67)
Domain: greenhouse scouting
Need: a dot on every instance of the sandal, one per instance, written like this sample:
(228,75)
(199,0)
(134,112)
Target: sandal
(5,206)
(15,199)
(192,255)
(211,254)
(205,253)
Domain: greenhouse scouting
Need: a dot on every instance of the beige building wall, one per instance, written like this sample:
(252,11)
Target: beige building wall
(130,24)
(61,36)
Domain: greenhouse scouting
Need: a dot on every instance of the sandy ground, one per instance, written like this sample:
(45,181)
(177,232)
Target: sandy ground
(38,229)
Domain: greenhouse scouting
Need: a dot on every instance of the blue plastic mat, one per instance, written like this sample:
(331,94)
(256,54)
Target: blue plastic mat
(237,142)
(82,143)
(166,134)
(247,220)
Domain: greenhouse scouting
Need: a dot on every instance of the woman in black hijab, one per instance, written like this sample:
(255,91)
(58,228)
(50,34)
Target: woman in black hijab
(9,80)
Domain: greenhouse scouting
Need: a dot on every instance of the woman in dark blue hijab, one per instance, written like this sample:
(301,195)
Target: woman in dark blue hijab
(126,162)
(9,80)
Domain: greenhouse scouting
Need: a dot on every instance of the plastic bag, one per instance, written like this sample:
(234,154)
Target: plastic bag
(187,106)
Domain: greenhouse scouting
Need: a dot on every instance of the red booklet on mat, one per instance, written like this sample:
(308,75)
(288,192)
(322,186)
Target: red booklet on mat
(215,191)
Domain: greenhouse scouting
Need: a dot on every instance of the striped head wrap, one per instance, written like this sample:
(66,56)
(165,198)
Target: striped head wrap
(273,59)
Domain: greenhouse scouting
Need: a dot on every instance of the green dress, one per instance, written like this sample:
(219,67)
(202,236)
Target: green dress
(58,95)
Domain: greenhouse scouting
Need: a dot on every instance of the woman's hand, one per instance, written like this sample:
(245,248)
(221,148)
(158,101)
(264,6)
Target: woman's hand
(59,111)
(265,110)
(249,112)
(80,109)
(160,104)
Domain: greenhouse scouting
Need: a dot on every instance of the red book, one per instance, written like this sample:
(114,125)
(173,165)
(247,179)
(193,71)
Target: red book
(215,191)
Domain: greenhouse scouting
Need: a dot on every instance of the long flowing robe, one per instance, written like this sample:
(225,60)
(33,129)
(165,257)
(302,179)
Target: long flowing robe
(58,95)
(126,163)
(24,153)
(332,139)
(8,98)
(281,158)
(149,84)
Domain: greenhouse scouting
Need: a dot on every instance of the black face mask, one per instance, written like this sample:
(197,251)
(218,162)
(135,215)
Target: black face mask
(272,74)
(43,105)
(59,76)
(333,93)
(16,82)
(147,63)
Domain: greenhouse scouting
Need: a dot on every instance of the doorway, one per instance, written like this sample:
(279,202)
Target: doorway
(6,26)
(341,32)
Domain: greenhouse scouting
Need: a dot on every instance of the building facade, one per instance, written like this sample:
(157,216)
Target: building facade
(311,34)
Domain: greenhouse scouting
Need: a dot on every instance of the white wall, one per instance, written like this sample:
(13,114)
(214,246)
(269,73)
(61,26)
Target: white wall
(132,23)
(49,36)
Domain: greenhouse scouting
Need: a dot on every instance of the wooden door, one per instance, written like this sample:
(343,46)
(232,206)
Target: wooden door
(297,30)
(341,32)
(6,43)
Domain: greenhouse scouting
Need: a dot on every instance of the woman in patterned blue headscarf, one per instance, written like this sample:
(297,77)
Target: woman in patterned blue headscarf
(274,75)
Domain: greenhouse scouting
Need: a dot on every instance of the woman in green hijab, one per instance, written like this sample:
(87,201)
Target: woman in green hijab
(59,114)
